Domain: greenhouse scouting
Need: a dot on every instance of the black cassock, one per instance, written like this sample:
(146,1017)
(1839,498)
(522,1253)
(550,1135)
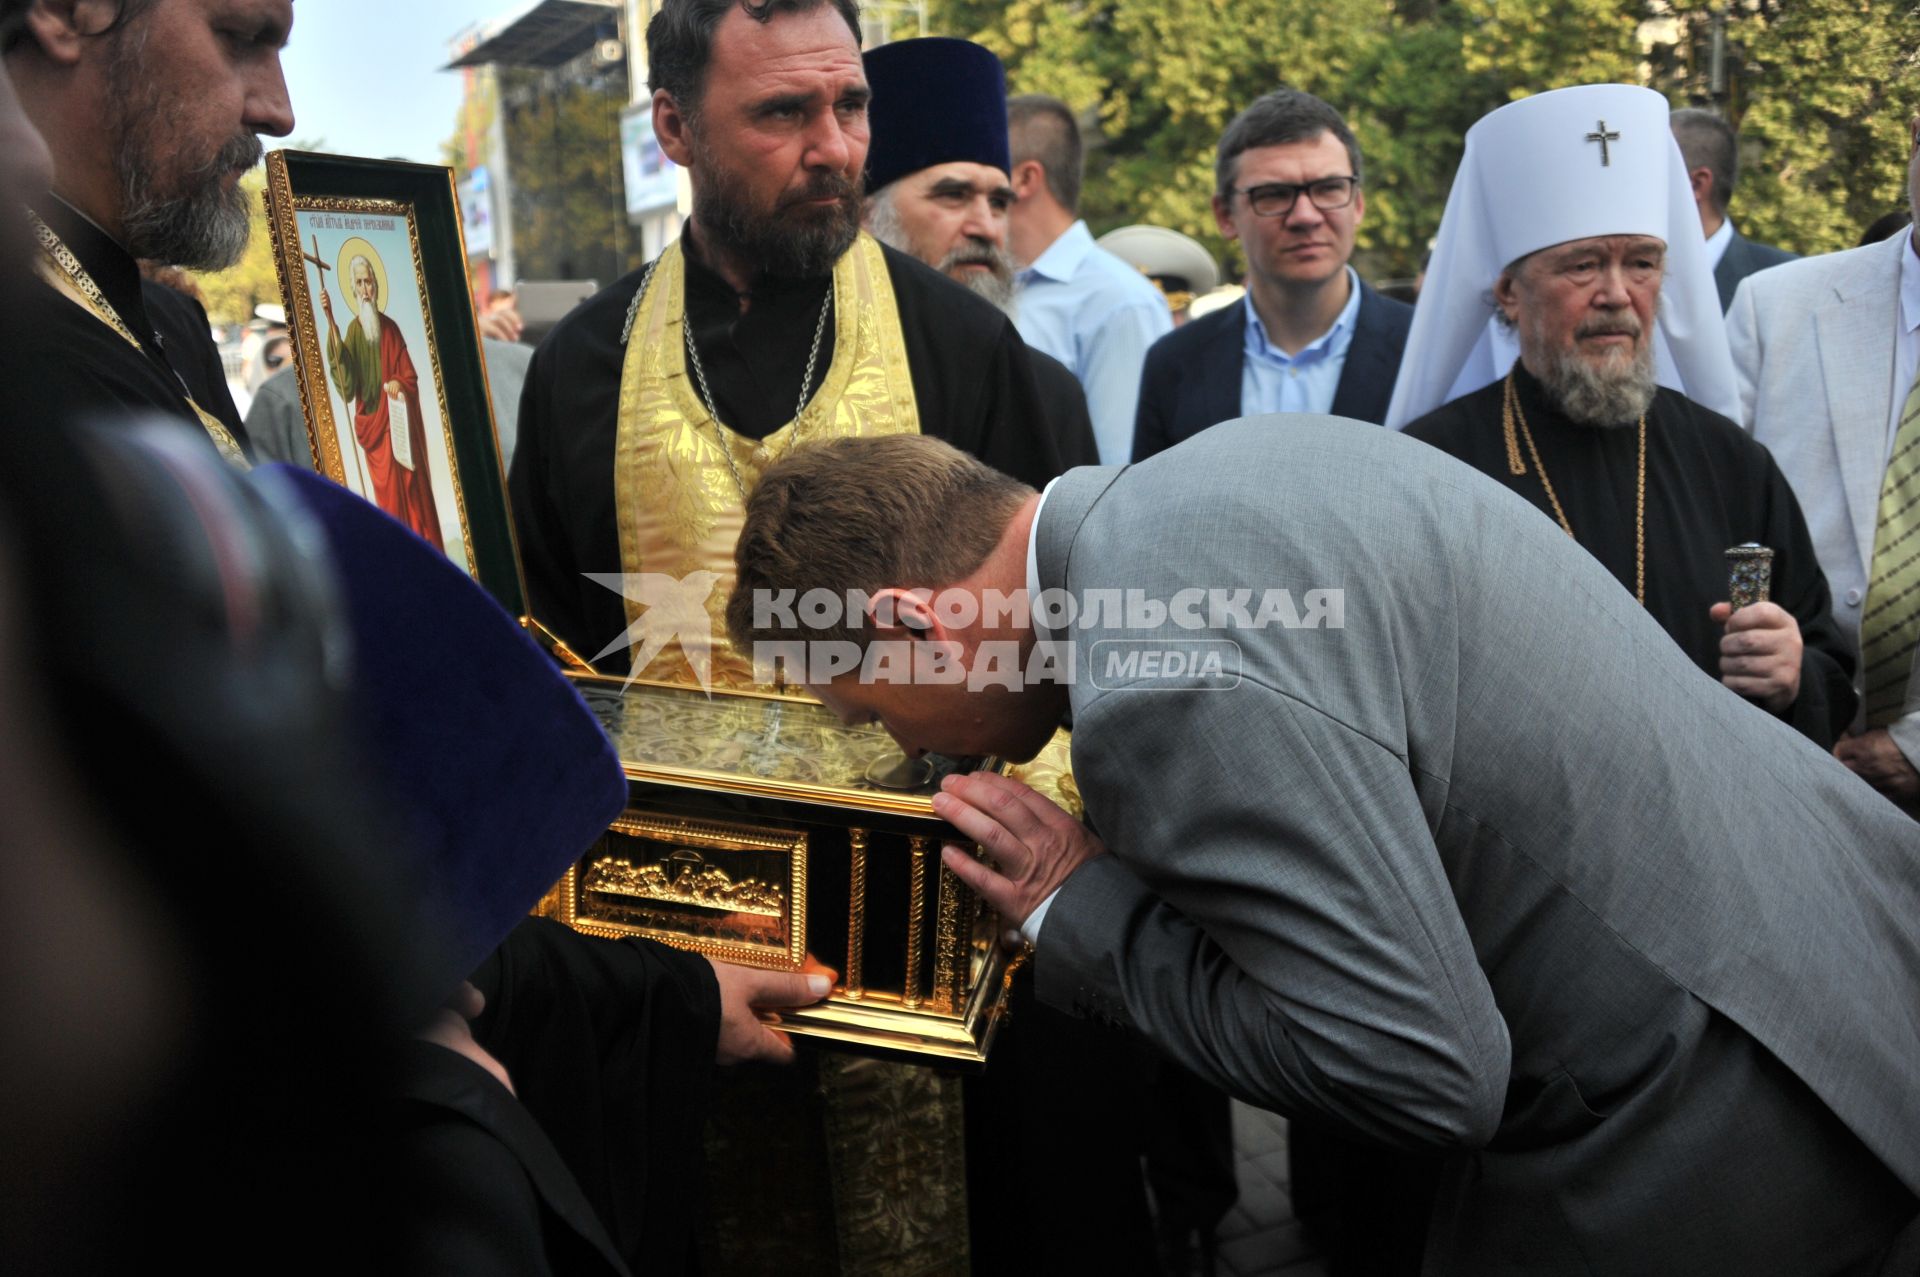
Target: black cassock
(592,1165)
(974,385)
(1709,486)
(74,367)
(1062,1101)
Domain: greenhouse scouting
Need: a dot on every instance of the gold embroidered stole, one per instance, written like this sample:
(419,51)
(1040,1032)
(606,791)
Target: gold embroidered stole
(676,504)
(70,288)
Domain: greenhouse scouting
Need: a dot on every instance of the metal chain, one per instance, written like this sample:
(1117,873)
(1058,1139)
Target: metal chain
(806,385)
(706,396)
(69,269)
(633,308)
(700,372)
(1511,415)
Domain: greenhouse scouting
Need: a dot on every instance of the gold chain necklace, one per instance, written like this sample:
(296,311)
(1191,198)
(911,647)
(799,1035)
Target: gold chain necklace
(69,277)
(1511,416)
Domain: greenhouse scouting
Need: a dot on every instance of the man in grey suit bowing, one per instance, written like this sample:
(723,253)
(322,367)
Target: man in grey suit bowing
(1417,823)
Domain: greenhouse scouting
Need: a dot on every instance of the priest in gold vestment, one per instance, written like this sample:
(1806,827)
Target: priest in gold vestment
(648,415)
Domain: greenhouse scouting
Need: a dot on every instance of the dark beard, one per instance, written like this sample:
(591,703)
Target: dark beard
(794,241)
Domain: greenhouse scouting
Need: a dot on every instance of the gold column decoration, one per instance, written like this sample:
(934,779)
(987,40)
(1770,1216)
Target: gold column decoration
(949,979)
(917,915)
(857,914)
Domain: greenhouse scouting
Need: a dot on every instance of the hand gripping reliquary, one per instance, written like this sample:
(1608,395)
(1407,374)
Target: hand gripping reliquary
(761,830)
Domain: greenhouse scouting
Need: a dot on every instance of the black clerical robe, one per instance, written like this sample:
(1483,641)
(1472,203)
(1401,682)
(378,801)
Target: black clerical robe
(1709,486)
(592,1164)
(973,384)
(82,368)
(1065,404)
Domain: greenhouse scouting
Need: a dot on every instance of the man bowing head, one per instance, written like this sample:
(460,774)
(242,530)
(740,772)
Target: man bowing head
(1417,825)
(1574,331)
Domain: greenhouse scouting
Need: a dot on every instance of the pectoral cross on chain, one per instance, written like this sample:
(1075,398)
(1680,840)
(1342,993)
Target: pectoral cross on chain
(1603,137)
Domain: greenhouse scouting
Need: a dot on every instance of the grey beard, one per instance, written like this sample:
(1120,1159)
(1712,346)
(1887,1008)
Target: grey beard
(995,284)
(204,228)
(1602,398)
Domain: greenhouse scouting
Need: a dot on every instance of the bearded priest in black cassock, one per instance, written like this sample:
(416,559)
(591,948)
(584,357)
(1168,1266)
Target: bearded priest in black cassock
(1651,482)
(1708,486)
(651,409)
(648,416)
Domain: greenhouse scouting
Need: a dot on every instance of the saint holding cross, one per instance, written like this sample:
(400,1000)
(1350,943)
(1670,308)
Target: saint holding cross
(370,367)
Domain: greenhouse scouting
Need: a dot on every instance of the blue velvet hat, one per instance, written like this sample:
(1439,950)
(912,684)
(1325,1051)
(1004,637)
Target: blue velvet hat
(935,101)
(497,772)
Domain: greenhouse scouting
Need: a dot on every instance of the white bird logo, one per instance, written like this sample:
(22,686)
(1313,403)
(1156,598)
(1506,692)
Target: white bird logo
(676,612)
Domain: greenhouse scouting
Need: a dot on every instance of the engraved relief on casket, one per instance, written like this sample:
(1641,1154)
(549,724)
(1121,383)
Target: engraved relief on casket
(737,892)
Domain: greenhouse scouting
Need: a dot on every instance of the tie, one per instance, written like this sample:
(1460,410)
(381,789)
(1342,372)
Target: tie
(1890,626)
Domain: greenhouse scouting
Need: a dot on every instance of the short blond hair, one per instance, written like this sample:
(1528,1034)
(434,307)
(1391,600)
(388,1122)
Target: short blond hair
(864,514)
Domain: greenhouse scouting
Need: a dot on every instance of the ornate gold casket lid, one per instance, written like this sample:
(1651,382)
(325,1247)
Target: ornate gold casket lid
(758,745)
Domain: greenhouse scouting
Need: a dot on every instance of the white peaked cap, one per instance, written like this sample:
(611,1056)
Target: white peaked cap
(1534,175)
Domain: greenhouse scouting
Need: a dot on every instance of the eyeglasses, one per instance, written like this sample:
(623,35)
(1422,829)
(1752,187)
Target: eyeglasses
(1276,199)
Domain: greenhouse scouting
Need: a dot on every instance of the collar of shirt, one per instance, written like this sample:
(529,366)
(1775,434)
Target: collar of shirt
(1906,346)
(1717,243)
(1033,554)
(1063,257)
(1332,342)
(1910,287)
(1030,929)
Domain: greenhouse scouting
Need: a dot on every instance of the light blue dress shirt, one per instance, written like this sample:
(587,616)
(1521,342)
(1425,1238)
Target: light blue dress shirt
(1273,381)
(1097,315)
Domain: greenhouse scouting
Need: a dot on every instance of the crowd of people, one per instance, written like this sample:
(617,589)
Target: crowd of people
(1565,898)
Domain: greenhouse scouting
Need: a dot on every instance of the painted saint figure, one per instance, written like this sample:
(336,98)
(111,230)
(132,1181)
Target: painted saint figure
(371,369)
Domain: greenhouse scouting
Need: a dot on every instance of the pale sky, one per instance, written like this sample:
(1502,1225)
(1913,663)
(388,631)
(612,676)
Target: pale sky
(365,76)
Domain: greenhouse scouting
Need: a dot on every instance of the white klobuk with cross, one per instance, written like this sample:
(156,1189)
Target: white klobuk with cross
(1597,159)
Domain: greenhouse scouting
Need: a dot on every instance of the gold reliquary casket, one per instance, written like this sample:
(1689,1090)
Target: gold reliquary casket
(761,830)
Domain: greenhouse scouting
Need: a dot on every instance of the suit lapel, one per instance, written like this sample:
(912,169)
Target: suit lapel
(441,1078)
(1366,382)
(1220,377)
(1856,330)
(1727,275)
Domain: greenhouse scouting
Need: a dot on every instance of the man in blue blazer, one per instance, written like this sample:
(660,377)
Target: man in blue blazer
(1309,336)
(1712,154)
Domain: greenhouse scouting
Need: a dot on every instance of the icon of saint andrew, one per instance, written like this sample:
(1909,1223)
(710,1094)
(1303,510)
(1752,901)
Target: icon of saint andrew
(371,369)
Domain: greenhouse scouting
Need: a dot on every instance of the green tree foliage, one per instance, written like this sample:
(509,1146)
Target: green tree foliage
(569,209)
(1825,90)
(1820,89)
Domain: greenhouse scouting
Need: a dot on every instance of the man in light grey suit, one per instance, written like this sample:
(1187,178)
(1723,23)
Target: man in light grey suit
(1418,824)
(1825,351)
